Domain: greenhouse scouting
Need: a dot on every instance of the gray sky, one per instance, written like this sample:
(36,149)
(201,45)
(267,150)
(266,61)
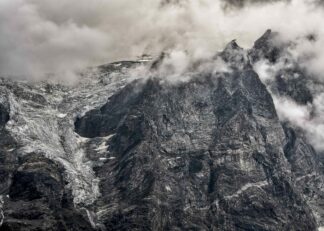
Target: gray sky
(44,36)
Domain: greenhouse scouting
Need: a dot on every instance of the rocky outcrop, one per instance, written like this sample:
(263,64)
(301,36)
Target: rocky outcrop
(291,79)
(36,199)
(293,82)
(207,154)
(307,169)
(32,187)
(267,47)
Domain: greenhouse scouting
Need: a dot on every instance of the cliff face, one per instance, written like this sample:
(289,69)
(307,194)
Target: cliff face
(209,153)
(293,82)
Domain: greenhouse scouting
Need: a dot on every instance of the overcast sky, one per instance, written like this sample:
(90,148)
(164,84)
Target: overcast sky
(44,36)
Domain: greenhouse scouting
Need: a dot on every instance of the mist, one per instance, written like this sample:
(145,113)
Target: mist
(38,37)
(309,116)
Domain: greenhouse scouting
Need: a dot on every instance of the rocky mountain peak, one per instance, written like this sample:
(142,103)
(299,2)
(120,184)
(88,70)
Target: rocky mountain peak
(114,153)
(235,56)
(267,47)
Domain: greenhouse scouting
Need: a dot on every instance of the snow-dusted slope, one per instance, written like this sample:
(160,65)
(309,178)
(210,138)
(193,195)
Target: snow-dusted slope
(46,125)
(42,120)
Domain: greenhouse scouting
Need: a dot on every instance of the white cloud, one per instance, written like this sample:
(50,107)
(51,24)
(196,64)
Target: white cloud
(41,36)
(288,109)
(309,118)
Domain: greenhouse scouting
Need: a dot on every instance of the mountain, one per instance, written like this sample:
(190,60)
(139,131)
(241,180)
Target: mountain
(122,153)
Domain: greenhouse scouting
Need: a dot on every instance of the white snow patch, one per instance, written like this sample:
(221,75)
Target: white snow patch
(246,187)
(81,139)
(61,115)
(90,217)
(168,188)
(102,147)
(200,175)
(145,60)
(308,175)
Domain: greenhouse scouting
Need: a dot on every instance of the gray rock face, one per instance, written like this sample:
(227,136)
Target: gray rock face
(307,168)
(267,47)
(32,188)
(293,82)
(206,154)
(37,199)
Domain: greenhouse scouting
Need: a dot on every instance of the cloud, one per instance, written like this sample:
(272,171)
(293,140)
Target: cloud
(308,117)
(43,36)
(301,116)
(288,109)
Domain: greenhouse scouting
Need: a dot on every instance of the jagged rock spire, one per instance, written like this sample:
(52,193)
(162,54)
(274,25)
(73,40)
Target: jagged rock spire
(235,56)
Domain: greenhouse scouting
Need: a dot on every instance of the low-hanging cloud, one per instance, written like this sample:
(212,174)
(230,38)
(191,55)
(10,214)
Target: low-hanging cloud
(301,116)
(309,116)
(39,37)
(44,36)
